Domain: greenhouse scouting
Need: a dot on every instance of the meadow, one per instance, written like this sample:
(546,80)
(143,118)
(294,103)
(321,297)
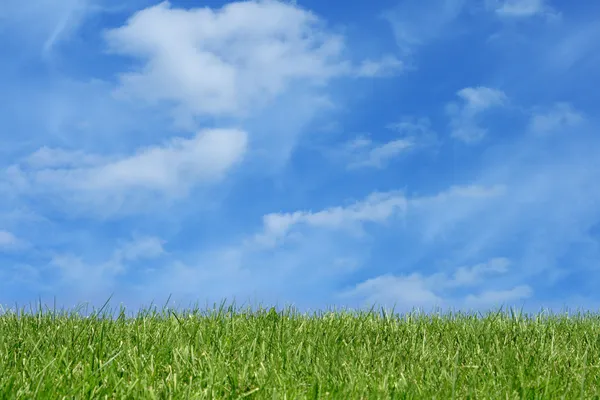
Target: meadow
(225,352)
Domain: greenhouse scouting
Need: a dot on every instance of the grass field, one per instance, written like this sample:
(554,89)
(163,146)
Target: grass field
(226,352)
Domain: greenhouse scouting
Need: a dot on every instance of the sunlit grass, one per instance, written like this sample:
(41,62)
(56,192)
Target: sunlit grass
(226,352)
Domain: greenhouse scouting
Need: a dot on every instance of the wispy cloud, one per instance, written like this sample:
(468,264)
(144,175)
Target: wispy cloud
(405,292)
(139,249)
(362,152)
(558,118)
(169,170)
(433,213)
(388,291)
(550,201)
(8,241)
(377,207)
(522,8)
(69,20)
(47,157)
(464,276)
(386,66)
(44,24)
(465,116)
(98,278)
(497,298)
(415,24)
(295,250)
(170,148)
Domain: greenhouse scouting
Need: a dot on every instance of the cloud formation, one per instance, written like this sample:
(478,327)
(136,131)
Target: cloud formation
(8,241)
(155,148)
(361,152)
(522,8)
(427,292)
(97,278)
(433,213)
(559,117)
(387,66)
(414,25)
(169,170)
(465,116)
(231,60)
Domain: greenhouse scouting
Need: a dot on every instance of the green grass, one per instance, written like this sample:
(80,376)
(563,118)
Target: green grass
(226,352)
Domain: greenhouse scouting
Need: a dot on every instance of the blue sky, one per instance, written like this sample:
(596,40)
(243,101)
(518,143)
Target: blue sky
(316,153)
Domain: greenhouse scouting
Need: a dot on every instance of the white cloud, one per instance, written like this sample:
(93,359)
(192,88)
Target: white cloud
(417,23)
(560,117)
(73,270)
(99,277)
(439,215)
(80,183)
(380,155)
(388,290)
(416,290)
(459,193)
(435,213)
(522,8)
(550,203)
(47,157)
(345,265)
(8,241)
(574,50)
(472,275)
(311,249)
(464,117)
(44,23)
(413,127)
(141,248)
(364,153)
(231,60)
(378,207)
(85,278)
(386,66)
(170,169)
(18,275)
(480,98)
(181,162)
(320,255)
(496,298)
(69,21)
